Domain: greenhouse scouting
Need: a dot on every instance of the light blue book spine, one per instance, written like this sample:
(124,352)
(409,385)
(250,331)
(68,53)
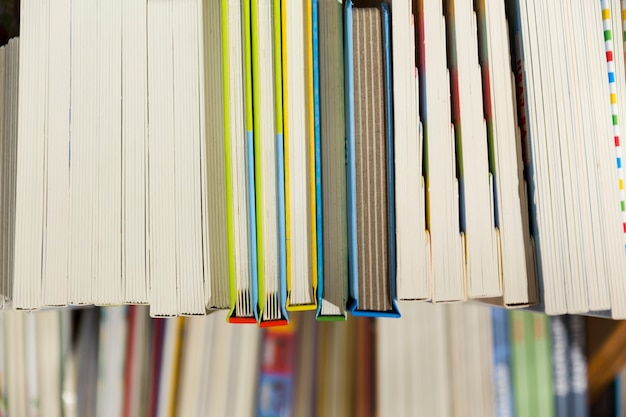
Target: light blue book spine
(503,387)
(560,365)
(252,219)
(391,193)
(578,405)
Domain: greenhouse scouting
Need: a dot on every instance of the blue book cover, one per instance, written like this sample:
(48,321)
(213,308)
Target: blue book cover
(353,302)
(503,387)
(577,364)
(560,365)
(328,57)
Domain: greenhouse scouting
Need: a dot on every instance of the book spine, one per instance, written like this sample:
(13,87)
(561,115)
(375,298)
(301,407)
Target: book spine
(503,388)
(277,373)
(258,141)
(520,364)
(318,150)
(577,366)
(280,154)
(560,348)
(252,218)
(543,383)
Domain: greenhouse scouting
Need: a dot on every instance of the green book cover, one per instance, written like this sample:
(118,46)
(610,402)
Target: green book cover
(227,158)
(520,361)
(542,352)
(531,363)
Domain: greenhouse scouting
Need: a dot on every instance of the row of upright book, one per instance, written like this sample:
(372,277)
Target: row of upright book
(453,360)
(472,360)
(265,156)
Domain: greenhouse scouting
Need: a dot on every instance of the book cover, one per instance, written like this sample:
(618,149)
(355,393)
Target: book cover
(277,376)
(521,362)
(330,146)
(577,362)
(502,364)
(560,348)
(383,300)
(542,351)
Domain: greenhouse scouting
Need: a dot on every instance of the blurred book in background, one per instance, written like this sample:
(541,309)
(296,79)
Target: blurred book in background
(437,360)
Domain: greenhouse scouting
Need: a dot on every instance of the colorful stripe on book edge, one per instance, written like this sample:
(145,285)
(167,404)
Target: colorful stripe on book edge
(610,63)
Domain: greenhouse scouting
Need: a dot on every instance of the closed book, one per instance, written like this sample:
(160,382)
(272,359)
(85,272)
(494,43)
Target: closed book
(502,364)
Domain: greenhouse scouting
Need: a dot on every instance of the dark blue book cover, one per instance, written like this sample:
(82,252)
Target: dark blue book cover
(503,388)
(577,361)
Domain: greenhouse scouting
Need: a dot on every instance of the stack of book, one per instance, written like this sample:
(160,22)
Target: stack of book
(268,156)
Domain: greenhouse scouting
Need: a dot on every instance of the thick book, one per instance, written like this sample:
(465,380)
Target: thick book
(371,208)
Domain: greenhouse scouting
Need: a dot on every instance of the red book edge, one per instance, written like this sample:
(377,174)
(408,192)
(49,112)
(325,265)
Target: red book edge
(242,320)
(274,323)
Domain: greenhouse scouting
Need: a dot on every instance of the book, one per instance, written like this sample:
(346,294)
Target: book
(560,365)
(30,168)
(502,369)
(161,145)
(299,147)
(134,148)
(108,283)
(441,185)
(332,286)
(371,216)
(269,170)
(216,179)
(9,154)
(277,371)
(476,199)
(505,158)
(521,362)
(56,241)
(577,361)
(542,353)
(239,159)
(413,241)
(556,74)
(111,359)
